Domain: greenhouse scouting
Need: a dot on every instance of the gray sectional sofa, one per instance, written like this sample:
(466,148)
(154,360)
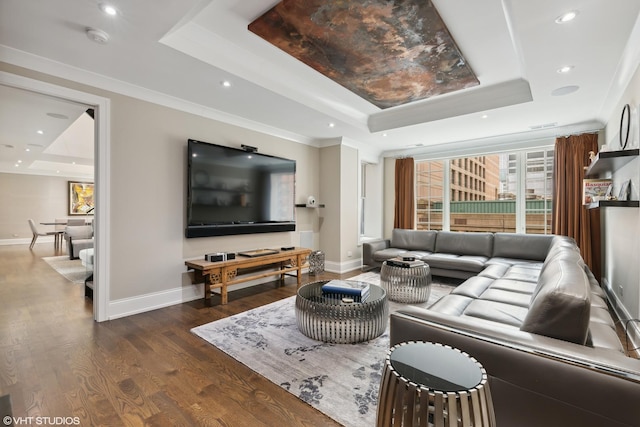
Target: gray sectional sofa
(533,314)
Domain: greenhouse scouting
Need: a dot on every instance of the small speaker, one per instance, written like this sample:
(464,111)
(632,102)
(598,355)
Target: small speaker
(219,256)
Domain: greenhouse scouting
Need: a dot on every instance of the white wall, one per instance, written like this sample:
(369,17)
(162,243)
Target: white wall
(621,226)
(40,198)
(146,218)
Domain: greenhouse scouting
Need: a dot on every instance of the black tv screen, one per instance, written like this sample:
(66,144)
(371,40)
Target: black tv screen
(233,191)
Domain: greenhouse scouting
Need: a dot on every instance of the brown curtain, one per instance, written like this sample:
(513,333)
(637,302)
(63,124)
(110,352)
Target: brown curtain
(404,204)
(570,217)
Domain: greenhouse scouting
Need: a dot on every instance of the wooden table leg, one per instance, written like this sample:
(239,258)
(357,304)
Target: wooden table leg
(299,271)
(223,289)
(207,290)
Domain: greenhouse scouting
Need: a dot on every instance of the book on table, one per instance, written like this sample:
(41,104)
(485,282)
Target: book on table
(343,287)
(400,262)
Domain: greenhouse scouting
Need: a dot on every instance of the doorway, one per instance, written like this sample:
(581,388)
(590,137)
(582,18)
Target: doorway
(101,107)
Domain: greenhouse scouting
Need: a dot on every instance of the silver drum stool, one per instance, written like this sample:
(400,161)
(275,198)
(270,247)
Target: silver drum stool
(406,284)
(327,318)
(427,384)
(316,262)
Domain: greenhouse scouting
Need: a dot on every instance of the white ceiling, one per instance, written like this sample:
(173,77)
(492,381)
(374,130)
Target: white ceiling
(177,52)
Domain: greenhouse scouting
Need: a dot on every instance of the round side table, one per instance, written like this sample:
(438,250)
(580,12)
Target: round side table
(406,284)
(328,318)
(427,384)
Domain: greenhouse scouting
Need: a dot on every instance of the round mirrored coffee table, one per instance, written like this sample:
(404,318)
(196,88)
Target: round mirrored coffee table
(328,318)
(406,284)
(433,384)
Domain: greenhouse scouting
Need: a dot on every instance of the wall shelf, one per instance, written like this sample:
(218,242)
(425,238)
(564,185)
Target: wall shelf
(614,203)
(304,205)
(609,161)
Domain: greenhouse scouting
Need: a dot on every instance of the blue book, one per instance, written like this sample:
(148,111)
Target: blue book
(358,289)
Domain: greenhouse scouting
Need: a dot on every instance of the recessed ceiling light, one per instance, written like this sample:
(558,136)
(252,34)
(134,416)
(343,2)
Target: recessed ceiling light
(565,69)
(40,132)
(27,149)
(331,125)
(384,134)
(108,9)
(567,17)
(484,116)
(226,83)
(564,90)
(19,161)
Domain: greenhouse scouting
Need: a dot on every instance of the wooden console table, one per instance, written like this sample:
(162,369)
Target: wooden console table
(225,273)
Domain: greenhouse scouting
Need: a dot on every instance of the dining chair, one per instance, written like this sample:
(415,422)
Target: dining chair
(76,221)
(37,233)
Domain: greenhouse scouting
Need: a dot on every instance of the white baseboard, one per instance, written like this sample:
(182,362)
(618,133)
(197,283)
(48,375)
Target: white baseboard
(343,267)
(148,302)
(624,315)
(26,241)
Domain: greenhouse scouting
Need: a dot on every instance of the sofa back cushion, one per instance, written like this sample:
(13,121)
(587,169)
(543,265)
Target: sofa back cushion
(422,240)
(522,246)
(461,243)
(79,231)
(560,305)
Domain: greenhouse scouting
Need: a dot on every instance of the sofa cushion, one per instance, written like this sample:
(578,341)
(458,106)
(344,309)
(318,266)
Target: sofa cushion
(515,286)
(456,262)
(388,253)
(507,314)
(522,246)
(451,242)
(494,271)
(604,336)
(560,305)
(522,274)
(451,304)
(422,240)
(473,287)
(507,297)
(513,261)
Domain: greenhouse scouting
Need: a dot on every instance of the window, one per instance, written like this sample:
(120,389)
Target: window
(429,195)
(510,192)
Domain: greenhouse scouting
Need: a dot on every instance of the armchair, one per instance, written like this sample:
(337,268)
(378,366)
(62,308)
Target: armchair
(78,238)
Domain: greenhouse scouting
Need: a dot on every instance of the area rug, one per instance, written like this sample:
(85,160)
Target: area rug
(71,269)
(340,380)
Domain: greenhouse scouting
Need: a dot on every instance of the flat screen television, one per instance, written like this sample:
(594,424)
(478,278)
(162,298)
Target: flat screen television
(233,191)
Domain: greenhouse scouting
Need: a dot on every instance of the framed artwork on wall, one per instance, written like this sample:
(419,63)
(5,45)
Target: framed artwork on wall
(81,198)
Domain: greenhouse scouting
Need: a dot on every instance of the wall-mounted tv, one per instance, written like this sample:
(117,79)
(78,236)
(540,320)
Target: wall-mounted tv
(233,191)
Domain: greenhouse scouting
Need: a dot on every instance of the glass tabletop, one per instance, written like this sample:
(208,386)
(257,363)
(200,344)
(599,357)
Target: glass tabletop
(436,367)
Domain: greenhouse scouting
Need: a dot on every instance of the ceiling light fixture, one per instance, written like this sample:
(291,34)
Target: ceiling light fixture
(332,125)
(484,116)
(564,90)
(97,35)
(565,69)
(27,149)
(226,83)
(567,17)
(108,9)
(40,132)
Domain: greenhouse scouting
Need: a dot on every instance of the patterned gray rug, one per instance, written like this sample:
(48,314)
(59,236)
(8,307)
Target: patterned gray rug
(71,269)
(340,380)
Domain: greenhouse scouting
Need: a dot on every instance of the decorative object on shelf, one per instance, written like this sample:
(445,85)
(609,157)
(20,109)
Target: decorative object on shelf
(625,126)
(625,191)
(595,190)
(311,202)
(592,156)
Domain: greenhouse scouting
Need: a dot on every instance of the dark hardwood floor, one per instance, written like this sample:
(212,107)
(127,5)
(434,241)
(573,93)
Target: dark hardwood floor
(147,369)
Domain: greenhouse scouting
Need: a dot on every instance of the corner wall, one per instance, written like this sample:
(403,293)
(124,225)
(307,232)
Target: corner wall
(621,226)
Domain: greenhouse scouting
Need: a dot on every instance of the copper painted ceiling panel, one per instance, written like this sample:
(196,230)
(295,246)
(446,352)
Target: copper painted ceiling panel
(387,52)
